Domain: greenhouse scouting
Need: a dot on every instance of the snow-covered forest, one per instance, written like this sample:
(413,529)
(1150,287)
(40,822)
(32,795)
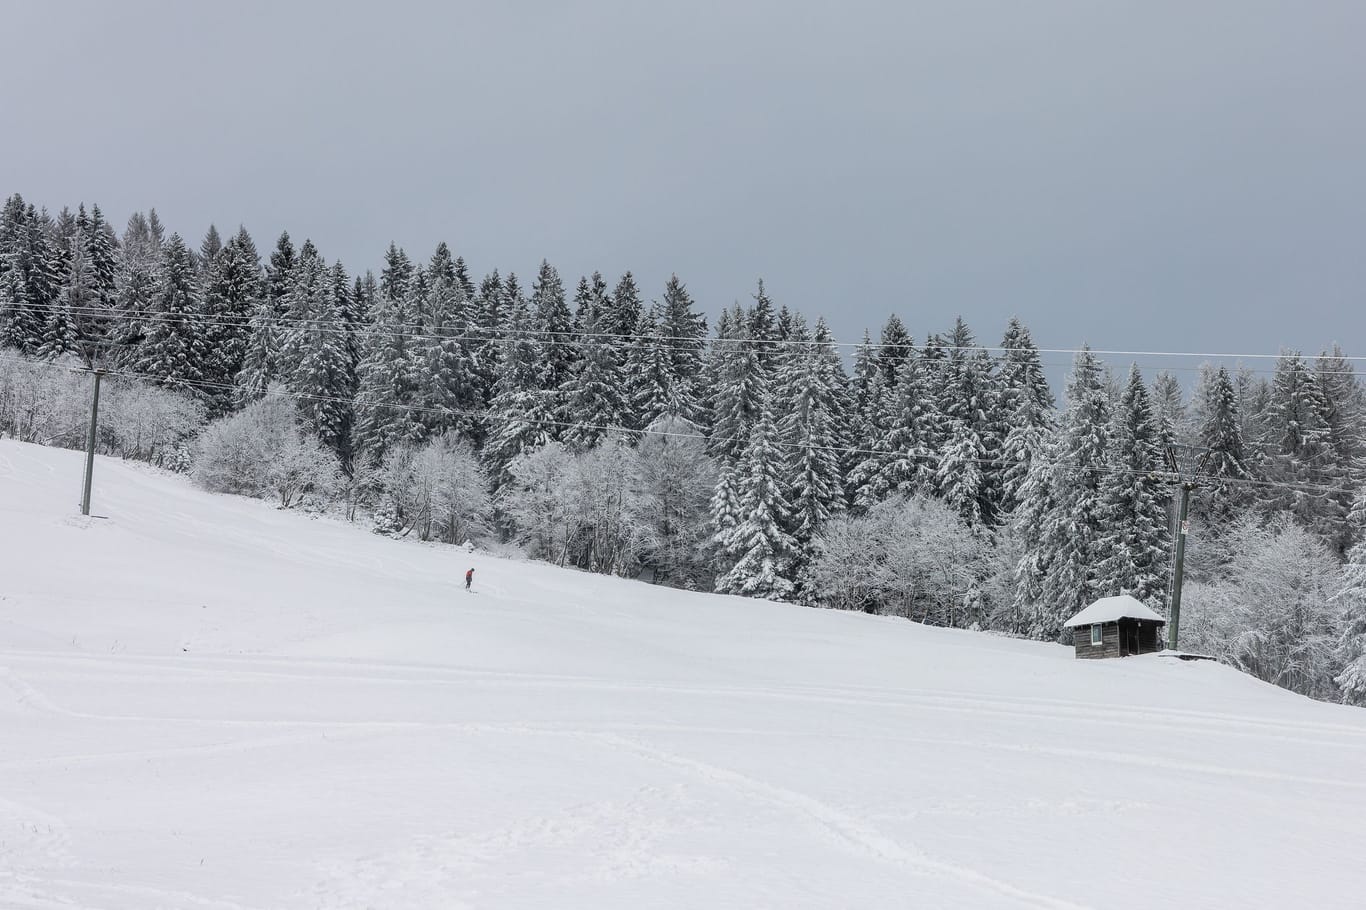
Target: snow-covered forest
(603,427)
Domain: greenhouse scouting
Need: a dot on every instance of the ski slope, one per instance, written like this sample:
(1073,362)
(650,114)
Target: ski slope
(211,704)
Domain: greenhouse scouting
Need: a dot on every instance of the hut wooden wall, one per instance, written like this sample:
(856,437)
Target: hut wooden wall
(1109,646)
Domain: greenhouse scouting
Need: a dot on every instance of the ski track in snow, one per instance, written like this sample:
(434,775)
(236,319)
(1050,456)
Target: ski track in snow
(265,667)
(847,827)
(1004,706)
(28,695)
(625,841)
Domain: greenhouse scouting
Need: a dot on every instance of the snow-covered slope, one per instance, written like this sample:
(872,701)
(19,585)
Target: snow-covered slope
(209,703)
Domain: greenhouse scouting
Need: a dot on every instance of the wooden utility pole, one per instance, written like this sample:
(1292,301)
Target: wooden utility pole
(1187,483)
(90,443)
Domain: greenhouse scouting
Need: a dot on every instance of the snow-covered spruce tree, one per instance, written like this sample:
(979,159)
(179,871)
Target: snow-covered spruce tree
(261,360)
(1021,371)
(1301,456)
(486,320)
(36,263)
(1133,546)
(173,352)
(788,326)
(1254,412)
(209,248)
(97,325)
(647,372)
(761,550)
(589,300)
(462,277)
(812,388)
(685,330)
(62,236)
(1064,543)
(868,413)
(28,287)
(1223,491)
(519,416)
(13,309)
(896,349)
(966,389)
(586,307)
(447,390)
(232,293)
(395,276)
(625,309)
(961,478)
(601,302)
(861,383)
(723,513)
(389,376)
(261,354)
(741,389)
(138,256)
(316,346)
(714,364)
(742,384)
(1037,504)
(48,255)
(13,288)
(761,327)
(347,297)
(1169,410)
(76,296)
(1351,600)
(1343,411)
(593,402)
(901,459)
(441,267)
(554,327)
(1026,404)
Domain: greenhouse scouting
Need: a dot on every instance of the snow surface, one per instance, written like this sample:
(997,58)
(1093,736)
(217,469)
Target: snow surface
(208,703)
(1109,609)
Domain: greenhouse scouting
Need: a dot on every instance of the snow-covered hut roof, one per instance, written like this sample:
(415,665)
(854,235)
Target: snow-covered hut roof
(1109,609)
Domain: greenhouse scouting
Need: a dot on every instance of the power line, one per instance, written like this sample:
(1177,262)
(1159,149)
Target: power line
(672,343)
(550,422)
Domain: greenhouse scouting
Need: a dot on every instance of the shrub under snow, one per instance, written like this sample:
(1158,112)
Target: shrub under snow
(261,452)
(438,490)
(47,402)
(910,557)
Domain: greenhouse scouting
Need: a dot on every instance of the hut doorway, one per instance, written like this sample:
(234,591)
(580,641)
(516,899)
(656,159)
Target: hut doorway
(1128,638)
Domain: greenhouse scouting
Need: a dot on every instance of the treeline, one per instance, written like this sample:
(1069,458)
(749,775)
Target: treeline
(934,479)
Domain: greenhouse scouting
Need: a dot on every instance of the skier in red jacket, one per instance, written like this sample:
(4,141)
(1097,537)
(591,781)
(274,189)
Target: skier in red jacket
(469,579)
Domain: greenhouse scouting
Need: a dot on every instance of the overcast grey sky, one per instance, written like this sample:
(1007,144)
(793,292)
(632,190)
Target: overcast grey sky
(1168,175)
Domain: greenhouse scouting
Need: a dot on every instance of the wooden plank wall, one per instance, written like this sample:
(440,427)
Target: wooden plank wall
(1108,648)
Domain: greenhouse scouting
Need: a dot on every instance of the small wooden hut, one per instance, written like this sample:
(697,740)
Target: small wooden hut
(1116,627)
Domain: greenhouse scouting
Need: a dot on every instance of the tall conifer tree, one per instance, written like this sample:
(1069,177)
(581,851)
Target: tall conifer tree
(173,353)
(1133,545)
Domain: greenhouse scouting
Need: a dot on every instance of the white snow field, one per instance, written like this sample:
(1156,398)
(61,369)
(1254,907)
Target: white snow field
(208,703)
